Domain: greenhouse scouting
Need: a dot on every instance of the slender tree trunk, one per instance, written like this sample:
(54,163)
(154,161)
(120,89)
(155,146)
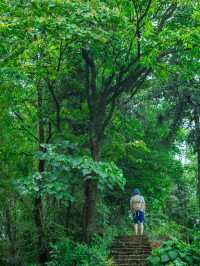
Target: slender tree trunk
(68,211)
(67,217)
(90,209)
(198,172)
(197,130)
(89,213)
(38,212)
(38,217)
(91,185)
(10,230)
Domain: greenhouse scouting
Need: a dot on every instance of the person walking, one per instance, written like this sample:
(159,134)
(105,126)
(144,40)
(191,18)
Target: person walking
(137,205)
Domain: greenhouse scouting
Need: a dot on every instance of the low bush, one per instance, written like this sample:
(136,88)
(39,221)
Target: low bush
(68,253)
(175,253)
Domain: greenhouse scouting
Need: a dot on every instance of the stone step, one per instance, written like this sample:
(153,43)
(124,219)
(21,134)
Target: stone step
(141,252)
(131,256)
(130,250)
(133,250)
(131,247)
(132,264)
(128,256)
(127,260)
(131,240)
(131,237)
(131,243)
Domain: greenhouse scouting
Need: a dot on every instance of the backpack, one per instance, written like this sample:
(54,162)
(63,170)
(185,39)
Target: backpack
(137,203)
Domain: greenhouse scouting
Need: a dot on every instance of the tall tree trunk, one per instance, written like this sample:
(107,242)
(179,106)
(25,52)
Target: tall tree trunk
(198,171)
(38,217)
(89,210)
(68,211)
(10,229)
(197,131)
(91,185)
(38,212)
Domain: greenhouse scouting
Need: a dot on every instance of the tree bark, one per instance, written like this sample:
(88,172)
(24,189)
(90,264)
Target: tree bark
(90,209)
(68,212)
(37,211)
(10,230)
(38,218)
(198,171)
(197,131)
(91,187)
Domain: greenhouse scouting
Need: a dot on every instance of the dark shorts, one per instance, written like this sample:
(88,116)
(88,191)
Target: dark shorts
(138,217)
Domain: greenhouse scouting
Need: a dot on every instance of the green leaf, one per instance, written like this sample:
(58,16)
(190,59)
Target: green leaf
(165,258)
(154,260)
(173,254)
(189,258)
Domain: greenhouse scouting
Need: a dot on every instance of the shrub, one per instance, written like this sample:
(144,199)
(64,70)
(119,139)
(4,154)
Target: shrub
(175,253)
(68,253)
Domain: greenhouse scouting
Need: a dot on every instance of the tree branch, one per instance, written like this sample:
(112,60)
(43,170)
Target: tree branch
(109,116)
(127,83)
(146,11)
(167,14)
(87,80)
(23,127)
(50,87)
(60,57)
(49,133)
(90,81)
(139,84)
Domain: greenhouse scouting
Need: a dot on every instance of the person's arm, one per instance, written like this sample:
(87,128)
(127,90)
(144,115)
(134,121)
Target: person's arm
(144,204)
(131,204)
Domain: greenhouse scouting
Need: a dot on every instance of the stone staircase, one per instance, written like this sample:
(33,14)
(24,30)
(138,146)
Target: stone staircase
(130,250)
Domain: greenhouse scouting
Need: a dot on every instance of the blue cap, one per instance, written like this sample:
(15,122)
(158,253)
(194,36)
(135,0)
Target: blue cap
(136,191)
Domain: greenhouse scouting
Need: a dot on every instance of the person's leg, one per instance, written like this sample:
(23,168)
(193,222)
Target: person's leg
(141,229)
(135,223)
(141,223)
(136,229)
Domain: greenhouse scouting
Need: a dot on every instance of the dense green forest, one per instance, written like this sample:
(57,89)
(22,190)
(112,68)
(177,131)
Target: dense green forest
(98,97)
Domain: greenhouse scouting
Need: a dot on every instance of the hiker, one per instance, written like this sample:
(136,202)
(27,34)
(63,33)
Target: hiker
(137,205)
